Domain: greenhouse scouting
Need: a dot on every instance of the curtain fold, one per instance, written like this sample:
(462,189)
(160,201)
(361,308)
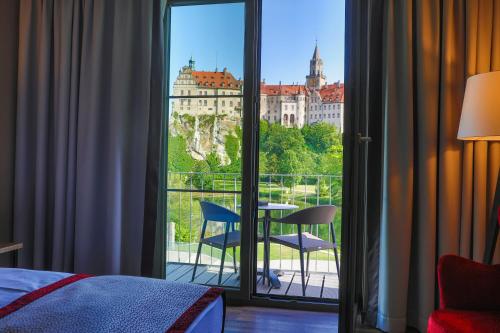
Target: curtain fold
(9,15)
(86,95)
(436,191)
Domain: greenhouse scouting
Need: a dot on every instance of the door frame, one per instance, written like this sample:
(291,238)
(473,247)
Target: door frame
(246,294)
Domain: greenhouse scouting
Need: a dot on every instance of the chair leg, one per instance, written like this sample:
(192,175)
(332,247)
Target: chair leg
(234,260)
(223,257)
(334,242)
(336,260)
(222,264)
(299,234)
(203,229)
(302,273)
(196,261)
(307,265)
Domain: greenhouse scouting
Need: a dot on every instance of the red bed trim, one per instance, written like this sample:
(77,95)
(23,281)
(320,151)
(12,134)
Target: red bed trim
(36,294)
(183,322)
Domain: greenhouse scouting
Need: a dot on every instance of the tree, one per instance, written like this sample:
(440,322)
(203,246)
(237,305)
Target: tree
(179,160)
(321,136)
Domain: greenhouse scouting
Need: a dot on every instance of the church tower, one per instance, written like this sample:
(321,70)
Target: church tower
(316,79)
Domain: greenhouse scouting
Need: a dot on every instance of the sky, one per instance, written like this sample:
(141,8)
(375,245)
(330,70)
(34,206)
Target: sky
(214,36)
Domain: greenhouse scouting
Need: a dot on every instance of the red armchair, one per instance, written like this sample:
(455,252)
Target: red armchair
(469,297)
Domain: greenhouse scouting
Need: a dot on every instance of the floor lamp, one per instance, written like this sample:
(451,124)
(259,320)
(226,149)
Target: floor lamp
(480,121)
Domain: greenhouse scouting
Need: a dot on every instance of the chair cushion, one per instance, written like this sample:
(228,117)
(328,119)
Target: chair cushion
(468,285)
(309,242)
(459,321)
(233,239)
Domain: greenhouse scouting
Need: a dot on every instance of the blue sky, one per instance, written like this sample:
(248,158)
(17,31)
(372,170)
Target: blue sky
(214,36)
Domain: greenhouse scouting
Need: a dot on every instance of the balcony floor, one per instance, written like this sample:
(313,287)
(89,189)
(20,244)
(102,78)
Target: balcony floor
(318,285)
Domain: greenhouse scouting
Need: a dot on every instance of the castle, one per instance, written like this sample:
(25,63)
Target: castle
(293,105)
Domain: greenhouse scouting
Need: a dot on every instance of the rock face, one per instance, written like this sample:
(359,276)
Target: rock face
(205,134)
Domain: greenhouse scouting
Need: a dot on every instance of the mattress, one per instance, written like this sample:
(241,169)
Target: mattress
(15,283)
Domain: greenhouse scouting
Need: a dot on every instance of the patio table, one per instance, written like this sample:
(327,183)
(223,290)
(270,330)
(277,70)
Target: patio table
(271,277)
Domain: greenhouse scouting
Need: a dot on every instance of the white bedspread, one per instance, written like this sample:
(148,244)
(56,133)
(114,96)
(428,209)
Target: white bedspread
(15,283)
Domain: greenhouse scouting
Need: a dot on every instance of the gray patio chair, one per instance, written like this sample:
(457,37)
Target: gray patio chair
(231,239)
(306,241)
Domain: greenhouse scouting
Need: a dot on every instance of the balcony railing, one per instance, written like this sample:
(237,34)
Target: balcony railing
(184,217)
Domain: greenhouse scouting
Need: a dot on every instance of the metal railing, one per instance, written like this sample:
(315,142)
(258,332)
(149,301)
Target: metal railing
(184,218)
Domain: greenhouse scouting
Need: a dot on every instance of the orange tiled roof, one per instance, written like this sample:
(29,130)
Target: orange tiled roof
(283,90)
(333,93)
(223,79)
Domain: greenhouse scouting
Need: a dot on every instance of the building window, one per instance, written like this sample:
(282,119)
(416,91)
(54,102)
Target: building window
(292,119)
(189,102)
(205,103)
(231,103)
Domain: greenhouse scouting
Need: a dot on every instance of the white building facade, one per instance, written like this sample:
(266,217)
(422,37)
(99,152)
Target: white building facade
(207,93)
(299,105)
(289,105)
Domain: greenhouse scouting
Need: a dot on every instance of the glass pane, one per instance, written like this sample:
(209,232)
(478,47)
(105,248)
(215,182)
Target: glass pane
(301,125)
(204,142)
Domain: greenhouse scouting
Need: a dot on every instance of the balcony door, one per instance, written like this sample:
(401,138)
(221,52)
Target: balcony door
(301,149)
(208,122)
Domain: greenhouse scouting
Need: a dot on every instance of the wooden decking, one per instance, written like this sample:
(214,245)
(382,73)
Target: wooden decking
(318,285)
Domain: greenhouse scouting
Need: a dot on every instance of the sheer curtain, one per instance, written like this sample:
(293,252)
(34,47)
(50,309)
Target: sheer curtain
(89,104)
(435,191)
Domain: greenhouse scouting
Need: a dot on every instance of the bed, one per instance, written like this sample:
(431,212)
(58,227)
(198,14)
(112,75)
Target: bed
(42,301)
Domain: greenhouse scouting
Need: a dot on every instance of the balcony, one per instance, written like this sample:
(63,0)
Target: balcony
(184,220)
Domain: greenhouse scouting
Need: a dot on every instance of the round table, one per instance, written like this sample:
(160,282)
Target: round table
(268,208)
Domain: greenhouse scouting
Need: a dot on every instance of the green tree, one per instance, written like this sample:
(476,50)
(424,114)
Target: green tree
(321,136)
(179,160)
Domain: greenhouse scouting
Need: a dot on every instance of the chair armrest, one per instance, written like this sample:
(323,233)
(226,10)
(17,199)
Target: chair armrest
(468,285)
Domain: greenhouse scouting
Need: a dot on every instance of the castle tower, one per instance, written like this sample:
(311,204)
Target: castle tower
(316,79)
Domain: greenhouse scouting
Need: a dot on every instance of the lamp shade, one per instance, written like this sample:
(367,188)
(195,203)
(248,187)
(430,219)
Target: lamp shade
(480,118)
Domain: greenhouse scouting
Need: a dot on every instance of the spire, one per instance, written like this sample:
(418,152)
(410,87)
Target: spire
(191,63)
(316,51)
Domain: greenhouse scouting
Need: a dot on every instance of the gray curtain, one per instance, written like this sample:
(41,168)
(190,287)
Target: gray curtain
(9,10)
(89,96)
(436,192)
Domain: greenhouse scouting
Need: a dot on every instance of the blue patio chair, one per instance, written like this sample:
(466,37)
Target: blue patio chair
(231,239)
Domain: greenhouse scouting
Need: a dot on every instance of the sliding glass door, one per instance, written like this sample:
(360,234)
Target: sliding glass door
(248,144)
(204,139)
(301,148)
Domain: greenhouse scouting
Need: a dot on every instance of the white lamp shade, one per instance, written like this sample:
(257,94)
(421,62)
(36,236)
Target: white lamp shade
(480,118)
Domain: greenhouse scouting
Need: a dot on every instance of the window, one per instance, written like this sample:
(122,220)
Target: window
(205,103)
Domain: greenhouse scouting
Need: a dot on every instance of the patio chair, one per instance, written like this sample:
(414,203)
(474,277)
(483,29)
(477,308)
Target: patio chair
(231,239)
(306,242)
